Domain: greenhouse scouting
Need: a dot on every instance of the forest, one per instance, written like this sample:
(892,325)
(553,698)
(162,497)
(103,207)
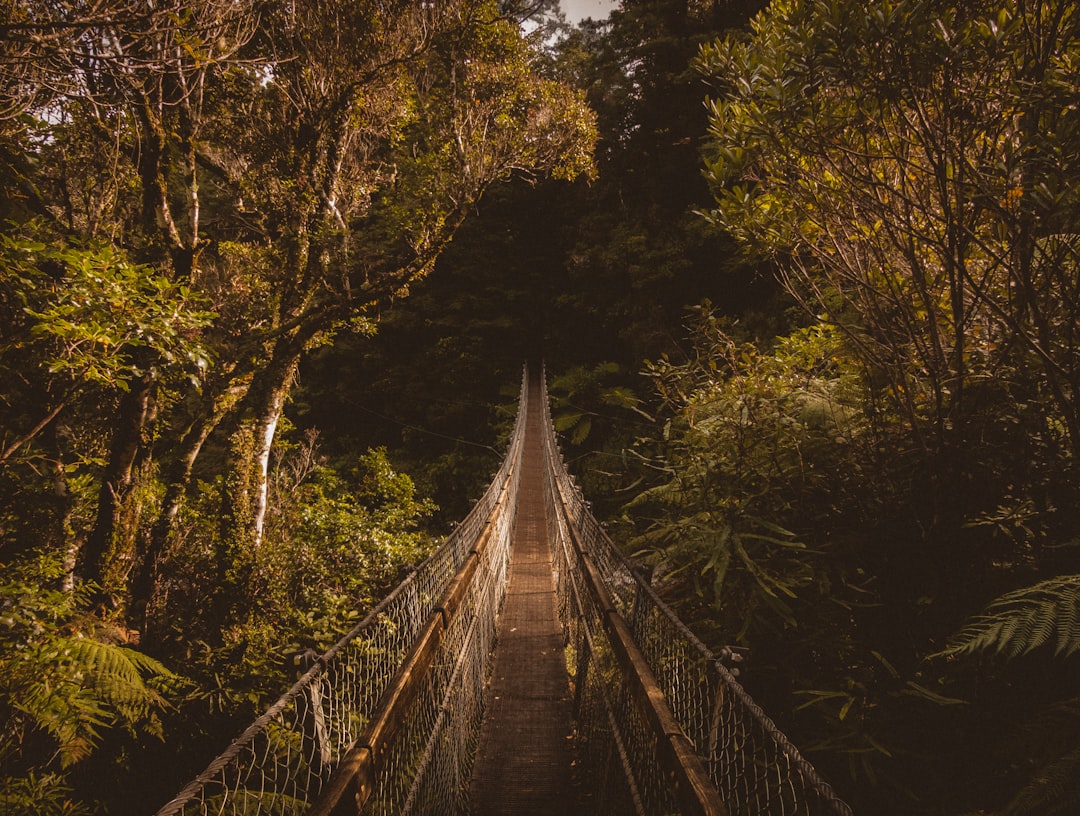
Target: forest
(804,276)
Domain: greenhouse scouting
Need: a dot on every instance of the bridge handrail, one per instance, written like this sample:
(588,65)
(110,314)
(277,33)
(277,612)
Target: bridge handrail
(285,758)
(356,772)
(675,754)
(752,764)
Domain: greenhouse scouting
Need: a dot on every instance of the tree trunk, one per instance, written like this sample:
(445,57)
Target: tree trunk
(64,535)
(244,495)
(176,479)
(134,412)
(266,428)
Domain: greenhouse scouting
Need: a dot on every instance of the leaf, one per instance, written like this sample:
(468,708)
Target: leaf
(888,666)
(878,746)
(846,707)
(798,545)
(581,431)
(564,422)
(915,690)
(776,528)
(1023,620)
(817,696)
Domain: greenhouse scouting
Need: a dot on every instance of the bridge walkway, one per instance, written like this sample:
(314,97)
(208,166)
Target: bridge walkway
(437,702)
(523,764)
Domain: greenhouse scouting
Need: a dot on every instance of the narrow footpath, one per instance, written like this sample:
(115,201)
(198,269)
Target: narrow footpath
(523,761)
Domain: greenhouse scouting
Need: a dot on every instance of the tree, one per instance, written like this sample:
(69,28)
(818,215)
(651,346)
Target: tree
(394,144)
(83,325)
(909,167)
(752,440)
(573,273)
(295,167)
(116,93)
(910,170)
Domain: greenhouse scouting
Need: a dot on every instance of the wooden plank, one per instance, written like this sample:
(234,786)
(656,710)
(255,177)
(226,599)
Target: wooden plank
(523,764)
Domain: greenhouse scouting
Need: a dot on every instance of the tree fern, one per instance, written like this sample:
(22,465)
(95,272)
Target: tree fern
(118,675)
(1021,621)
(60,675)
(81,685)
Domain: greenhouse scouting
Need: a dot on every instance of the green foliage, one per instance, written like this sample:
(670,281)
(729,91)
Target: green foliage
(92,310)
(40,795)
(78,326)
(336,540)
(865,147)
(904,166)
(1053,791)
(785,514)
(252,803)
(1047,613)
(750,434)
(65,680)
(327,157)
(1016,625)
(349,539)
(582,396)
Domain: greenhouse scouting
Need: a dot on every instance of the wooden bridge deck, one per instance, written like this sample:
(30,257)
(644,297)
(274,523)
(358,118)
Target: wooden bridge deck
(524,759)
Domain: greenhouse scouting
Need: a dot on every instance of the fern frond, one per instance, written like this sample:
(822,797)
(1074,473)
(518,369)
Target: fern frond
(40,794)
(1054,790)
(116,674)
(80,686)
(1070,622)
(1025,619)
(669,494)
(67,713)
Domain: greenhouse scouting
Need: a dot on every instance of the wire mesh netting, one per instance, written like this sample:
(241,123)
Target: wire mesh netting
(428,767)
(755,768)
(283,761)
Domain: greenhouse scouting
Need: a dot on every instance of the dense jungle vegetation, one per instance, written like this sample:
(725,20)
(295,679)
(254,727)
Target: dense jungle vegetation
(805,276)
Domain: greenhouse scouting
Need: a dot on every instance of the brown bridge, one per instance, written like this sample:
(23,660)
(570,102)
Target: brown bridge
(525,668)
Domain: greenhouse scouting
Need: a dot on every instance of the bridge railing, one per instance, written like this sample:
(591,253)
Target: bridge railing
(390,714)
(715,730)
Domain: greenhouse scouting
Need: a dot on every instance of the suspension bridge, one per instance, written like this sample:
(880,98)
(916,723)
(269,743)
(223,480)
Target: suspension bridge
(526,667)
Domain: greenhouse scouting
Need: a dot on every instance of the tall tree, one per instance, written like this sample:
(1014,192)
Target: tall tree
(297,166)
(885,157)
(911,168)
(576,273)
